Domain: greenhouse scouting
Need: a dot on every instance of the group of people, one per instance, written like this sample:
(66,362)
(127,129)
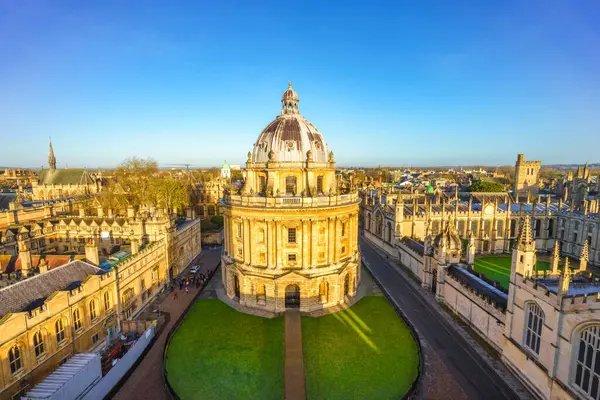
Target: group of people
(198,279)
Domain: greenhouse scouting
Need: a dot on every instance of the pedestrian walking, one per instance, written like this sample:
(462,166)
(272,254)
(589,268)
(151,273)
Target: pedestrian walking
(186,290)
(180,284)
(175,295)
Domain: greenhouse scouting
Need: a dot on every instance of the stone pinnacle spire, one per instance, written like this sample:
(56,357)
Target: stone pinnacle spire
(565,279)
(555,258)
(51,158)
(525,237)
(585,256)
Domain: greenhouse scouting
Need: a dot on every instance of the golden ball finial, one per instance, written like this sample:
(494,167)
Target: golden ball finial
(289,84)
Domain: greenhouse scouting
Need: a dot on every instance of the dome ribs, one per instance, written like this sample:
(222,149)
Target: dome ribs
(291,131)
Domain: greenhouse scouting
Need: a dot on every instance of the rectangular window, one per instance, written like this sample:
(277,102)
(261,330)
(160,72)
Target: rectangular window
(292,257)
(290,185)
(343,229)
(239,230)
(291,235)
(143,284)
(95,338)
(319,184)
(263,184)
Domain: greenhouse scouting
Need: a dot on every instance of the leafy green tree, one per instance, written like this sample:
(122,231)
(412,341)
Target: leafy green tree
(217,220)
(485,186)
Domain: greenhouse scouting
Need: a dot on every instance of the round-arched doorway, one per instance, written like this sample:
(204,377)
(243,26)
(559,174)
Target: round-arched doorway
(292,296)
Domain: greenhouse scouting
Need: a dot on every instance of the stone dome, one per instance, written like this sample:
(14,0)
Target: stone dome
(289,137)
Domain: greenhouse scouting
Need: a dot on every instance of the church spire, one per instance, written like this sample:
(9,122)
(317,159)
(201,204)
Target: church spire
(51,158)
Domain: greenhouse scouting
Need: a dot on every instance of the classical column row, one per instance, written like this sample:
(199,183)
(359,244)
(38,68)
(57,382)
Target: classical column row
(307,239)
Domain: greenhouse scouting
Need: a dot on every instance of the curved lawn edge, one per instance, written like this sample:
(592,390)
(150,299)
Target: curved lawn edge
(416,385)
(174,329)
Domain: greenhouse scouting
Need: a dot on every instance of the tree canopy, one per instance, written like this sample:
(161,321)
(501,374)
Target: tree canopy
(485,186)
(139,182)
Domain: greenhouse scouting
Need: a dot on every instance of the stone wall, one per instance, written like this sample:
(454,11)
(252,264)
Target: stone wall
(487,320)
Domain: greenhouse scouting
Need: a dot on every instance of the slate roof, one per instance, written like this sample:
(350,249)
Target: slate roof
(465,276)
(21,296)
(73,176)
(413,245)
(5,199)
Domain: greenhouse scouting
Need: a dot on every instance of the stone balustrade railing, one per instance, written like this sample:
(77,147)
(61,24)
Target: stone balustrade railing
(291,201)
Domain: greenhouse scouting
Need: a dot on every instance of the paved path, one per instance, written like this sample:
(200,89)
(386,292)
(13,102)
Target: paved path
(476,379)
(146,382)
(295,386)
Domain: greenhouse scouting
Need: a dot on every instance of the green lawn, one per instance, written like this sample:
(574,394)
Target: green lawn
(497,268)
(219,353)
(365,352)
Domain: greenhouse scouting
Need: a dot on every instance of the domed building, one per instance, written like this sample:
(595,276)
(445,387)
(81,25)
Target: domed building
(291,232)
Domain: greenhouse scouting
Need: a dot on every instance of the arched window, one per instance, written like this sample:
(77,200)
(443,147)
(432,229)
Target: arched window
(435,228)
(388,233)
(14,359)
(587,371)
(77,319)
(93,311)
(500,228)
(461,227)
(38,344)
(323,291)
(60,331)
(534,319)
(320,184)
(379,224)
(106,301)
(346,285)
(263,184)
(368,222)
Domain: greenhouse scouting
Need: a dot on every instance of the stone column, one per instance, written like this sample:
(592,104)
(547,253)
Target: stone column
(330,242)
(270,242)
(314,239)
(305,244)
(278,243)
(250,238)
(245,238)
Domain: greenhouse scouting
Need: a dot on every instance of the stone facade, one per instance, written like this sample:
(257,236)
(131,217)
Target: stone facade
(291,233)
(546,328)
(488,223)
(527,176)
(161,249)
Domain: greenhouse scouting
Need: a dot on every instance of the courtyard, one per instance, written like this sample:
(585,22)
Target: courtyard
(365,351)
(497,268)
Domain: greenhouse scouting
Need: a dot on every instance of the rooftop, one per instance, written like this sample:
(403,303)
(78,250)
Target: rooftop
(24,295)
(578,286)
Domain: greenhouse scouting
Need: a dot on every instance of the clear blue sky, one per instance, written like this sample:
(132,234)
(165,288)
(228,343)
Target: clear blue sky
(404,83)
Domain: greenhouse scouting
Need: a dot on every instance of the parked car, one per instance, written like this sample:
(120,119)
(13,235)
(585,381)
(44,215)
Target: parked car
(194,269)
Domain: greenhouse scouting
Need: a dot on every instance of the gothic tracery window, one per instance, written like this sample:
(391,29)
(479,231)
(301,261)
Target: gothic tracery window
(534,323)
(587,364)
(14,359)
(38,344)
(60,331)
(379,224)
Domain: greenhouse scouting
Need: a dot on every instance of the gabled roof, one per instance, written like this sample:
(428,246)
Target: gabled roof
(71,176)
(18,297)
